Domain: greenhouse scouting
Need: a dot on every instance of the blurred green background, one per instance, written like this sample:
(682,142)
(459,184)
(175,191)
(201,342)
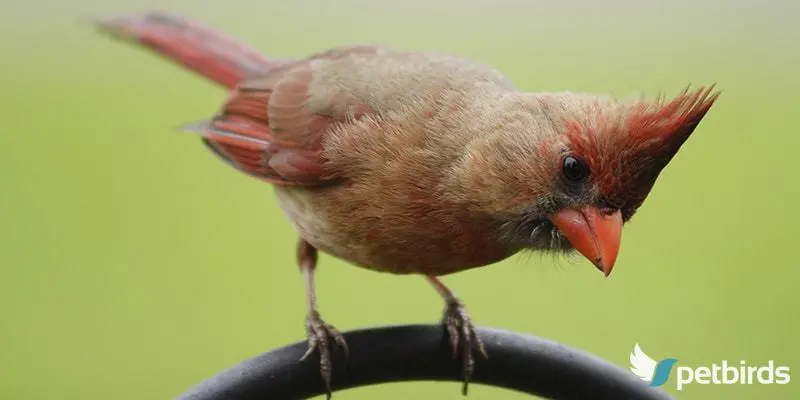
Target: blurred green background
(133,264)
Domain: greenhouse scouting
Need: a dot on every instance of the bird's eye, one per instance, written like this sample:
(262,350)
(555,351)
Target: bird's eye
(574,169)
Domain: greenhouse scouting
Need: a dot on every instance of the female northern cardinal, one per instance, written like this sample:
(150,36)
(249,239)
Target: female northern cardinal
(424,163)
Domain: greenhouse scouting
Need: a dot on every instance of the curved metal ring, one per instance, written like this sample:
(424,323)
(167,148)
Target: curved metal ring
(421,353)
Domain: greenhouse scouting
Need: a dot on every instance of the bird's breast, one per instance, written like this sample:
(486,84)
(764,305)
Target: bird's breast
(373,232)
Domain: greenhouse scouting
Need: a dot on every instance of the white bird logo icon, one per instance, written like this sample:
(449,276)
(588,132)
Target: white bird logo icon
(641,364)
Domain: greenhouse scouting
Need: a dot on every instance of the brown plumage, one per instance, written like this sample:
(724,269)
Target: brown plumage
(425,163)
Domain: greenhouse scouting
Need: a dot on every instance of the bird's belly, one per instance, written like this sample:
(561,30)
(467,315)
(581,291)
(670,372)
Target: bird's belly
(423,243)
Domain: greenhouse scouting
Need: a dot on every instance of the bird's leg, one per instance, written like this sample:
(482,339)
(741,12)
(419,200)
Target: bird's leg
(321,335)
(460,329)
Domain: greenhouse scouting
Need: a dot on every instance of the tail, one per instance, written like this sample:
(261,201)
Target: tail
(199,48)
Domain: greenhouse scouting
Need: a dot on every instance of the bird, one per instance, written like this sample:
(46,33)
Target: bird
(421,162)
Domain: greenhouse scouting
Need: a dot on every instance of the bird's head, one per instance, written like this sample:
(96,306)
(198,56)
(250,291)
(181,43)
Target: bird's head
(589,167)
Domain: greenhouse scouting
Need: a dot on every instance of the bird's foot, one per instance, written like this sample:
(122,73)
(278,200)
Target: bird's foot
(463,338)
(322,336)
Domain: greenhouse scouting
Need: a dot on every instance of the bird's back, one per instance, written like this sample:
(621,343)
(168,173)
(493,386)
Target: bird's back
(389,80)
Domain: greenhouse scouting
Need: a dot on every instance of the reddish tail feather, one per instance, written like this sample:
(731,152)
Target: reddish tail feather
(198,47)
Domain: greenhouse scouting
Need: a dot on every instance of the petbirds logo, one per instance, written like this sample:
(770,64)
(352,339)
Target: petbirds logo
(647,369)
(723,373)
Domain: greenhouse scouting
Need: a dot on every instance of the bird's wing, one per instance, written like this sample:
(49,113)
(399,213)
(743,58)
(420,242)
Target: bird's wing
(641,364)
(269,130)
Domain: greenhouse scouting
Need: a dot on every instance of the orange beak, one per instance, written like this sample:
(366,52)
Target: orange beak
(593,232)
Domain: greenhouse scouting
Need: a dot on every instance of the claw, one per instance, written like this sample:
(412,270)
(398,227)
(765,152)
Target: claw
(461,331)
(319,335)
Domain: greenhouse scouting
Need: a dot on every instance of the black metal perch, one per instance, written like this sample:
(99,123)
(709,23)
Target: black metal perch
(419,353)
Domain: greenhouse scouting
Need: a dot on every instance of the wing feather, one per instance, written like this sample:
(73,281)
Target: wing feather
(267,129)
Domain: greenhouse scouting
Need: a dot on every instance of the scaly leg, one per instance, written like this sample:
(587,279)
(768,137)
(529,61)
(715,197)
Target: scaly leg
(460,329)
(319,332)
